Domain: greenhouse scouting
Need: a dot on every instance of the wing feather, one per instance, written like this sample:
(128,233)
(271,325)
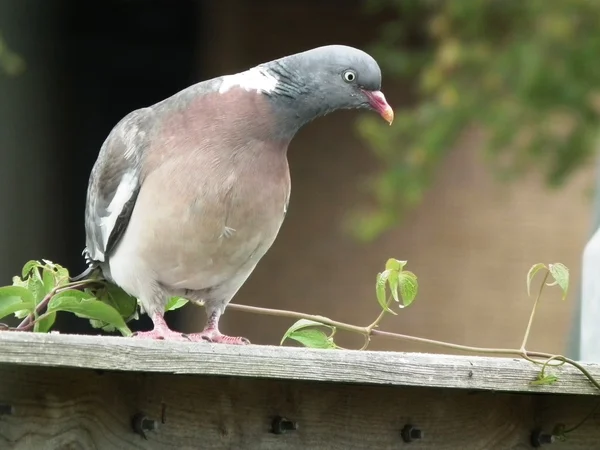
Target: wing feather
(115,183)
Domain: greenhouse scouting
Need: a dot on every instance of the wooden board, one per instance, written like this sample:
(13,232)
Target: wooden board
(287,363)
(66,408)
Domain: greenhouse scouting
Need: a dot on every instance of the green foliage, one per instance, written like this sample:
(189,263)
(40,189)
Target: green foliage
(544,380)
(525,73)
(87,307)
(15,300)
(175,303)
(558,271)
(402,284)
(561,276)
(531,274)
(310,337)
(116,298)
(10,63)
(44,289)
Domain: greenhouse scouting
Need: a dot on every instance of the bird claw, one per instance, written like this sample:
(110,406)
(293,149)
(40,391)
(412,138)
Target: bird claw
(215,337)
(160,335)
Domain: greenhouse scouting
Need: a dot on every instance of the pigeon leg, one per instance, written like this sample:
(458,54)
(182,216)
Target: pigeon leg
(211,333)
(161,331)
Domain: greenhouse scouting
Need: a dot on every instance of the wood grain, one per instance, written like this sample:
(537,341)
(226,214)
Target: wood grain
(287,363)
(65,408)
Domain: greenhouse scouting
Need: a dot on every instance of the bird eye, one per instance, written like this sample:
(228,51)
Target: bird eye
(349,76)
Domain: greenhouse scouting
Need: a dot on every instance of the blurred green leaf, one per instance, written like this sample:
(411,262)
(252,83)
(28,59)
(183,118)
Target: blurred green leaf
(10,62)
(88,308)
(394,265)
(28,267)
(393,284)
(48,279)
(531,274)
(380,290)
(301,324)
(16,299)
(409,287)
(71,293)
(544,380)
(44,325)
(560,272)
(312,338)
(523,74)
(119,299)
(175,303)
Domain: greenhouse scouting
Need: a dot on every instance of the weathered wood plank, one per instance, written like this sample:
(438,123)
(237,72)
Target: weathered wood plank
(381,368)
(65,408)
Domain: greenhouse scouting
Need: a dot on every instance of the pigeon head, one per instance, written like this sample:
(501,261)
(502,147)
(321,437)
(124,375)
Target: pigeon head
(307,85)
(322,80)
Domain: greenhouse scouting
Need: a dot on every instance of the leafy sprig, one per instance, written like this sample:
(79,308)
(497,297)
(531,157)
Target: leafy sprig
(44,289)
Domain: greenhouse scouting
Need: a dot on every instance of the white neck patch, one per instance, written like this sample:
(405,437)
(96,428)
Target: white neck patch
(255,79)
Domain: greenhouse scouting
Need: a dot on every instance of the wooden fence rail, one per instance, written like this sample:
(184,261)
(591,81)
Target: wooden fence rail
(91,392)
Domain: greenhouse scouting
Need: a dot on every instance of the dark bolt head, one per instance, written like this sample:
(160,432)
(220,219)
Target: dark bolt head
(281,425)
(409,433)
(538,438)
(6,410)
(140,424)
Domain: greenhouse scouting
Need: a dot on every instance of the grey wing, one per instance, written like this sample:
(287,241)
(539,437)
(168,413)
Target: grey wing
(114,184)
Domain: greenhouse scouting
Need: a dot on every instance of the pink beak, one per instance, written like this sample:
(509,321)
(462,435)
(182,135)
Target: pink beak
(379,103)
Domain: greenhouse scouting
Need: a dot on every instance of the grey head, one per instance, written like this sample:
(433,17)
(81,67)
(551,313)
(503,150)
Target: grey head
(316,82)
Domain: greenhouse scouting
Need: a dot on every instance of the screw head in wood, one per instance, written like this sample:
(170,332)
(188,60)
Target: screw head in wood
(538,438)
(410,433)
(141,424)
(281,425)
(6,410)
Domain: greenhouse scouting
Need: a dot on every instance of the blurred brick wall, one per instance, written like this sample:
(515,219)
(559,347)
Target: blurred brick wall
(471,242)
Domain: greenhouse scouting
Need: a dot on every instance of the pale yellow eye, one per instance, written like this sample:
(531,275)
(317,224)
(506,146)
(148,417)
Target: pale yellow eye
(349,76)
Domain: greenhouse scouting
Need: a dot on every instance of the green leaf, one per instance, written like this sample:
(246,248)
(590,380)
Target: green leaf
(393,283)
(394,265)
(380,290)
(22,313)
(102,325)
(560,273)
(17,281)
(44,325)
(35,285)
(300,324)
(48,279)
(175,303)
(28,267)
(542,380)
(118,299)
(89,308)
(409,287)
(11,305)
(62,275)
(313,338)
(16,291)
(534,269)
(75,293)
(15,299)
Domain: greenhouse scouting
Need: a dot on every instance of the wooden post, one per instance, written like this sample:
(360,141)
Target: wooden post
(67,391)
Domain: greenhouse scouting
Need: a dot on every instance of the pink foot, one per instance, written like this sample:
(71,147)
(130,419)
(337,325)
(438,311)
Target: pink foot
(164,335)
(161,331)
(215,336)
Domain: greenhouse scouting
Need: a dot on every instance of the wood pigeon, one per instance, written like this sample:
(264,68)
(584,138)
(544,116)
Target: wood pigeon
(187,195)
